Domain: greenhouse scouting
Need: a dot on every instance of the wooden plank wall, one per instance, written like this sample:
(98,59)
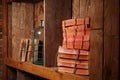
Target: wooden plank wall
(9,20)
(11,74)
(111,39)
(94,10)
(55,12)
(1,59)
(104,40)
(22,25)
(4,42)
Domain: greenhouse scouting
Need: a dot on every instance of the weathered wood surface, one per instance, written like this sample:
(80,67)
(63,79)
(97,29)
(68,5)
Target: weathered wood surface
(4,41)
(76,9)
(111,39)
(9,26)
(22,25)
(11,74)
(94,10)
(44,72)
(54,14)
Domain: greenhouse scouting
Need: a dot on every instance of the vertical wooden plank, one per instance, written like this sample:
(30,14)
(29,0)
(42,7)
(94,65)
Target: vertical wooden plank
(1,59)
(111,17)
(84,8)
(9,54)
(111,58)
(94,10)
(54,14)
(111,39)
(22,26)
(20,75)
(15,29)
(75,9)
(49,31)
(11,74)
(4,36)
(96,53)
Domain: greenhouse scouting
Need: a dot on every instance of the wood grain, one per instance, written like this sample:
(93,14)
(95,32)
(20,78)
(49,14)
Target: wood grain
(11,73)
(4,42)
(111,39)
(76,9)
(9,20)
(22,27)
(53,30)
(94,10)
(44,72)
(96,53)
(84,8)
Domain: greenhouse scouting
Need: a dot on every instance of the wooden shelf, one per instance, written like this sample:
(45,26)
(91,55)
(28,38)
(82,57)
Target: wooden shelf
(9,1)
(44,71)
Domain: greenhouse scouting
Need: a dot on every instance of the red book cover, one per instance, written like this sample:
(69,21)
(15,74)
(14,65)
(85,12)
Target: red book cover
(83,57)
(69,22)
(80,28)
(83,52)
(82,38)
(86,45)
(74,70)
(79,66)
(66,69)
(82,72)
(68,56)
(83,21)
(73,56)
(72,61)
(68,51)
(64,64)
(82,66)
(71,29)
(87,31)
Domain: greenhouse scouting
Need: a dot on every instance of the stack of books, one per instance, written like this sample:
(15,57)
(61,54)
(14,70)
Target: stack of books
(73,55)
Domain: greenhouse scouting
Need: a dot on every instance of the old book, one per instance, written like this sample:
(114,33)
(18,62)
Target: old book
(82,71)
(29,50)
(66,69)
(67,51)
(74,70)
(68,56)
(65,64)
(73,56)
(72,61)
(83,52)
(86,45)
(71,22)
(23,49)
(72,51)
(72,65)
(82,66)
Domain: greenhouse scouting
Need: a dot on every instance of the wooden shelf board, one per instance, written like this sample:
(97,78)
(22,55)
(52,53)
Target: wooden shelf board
(42,71)
(10,1)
